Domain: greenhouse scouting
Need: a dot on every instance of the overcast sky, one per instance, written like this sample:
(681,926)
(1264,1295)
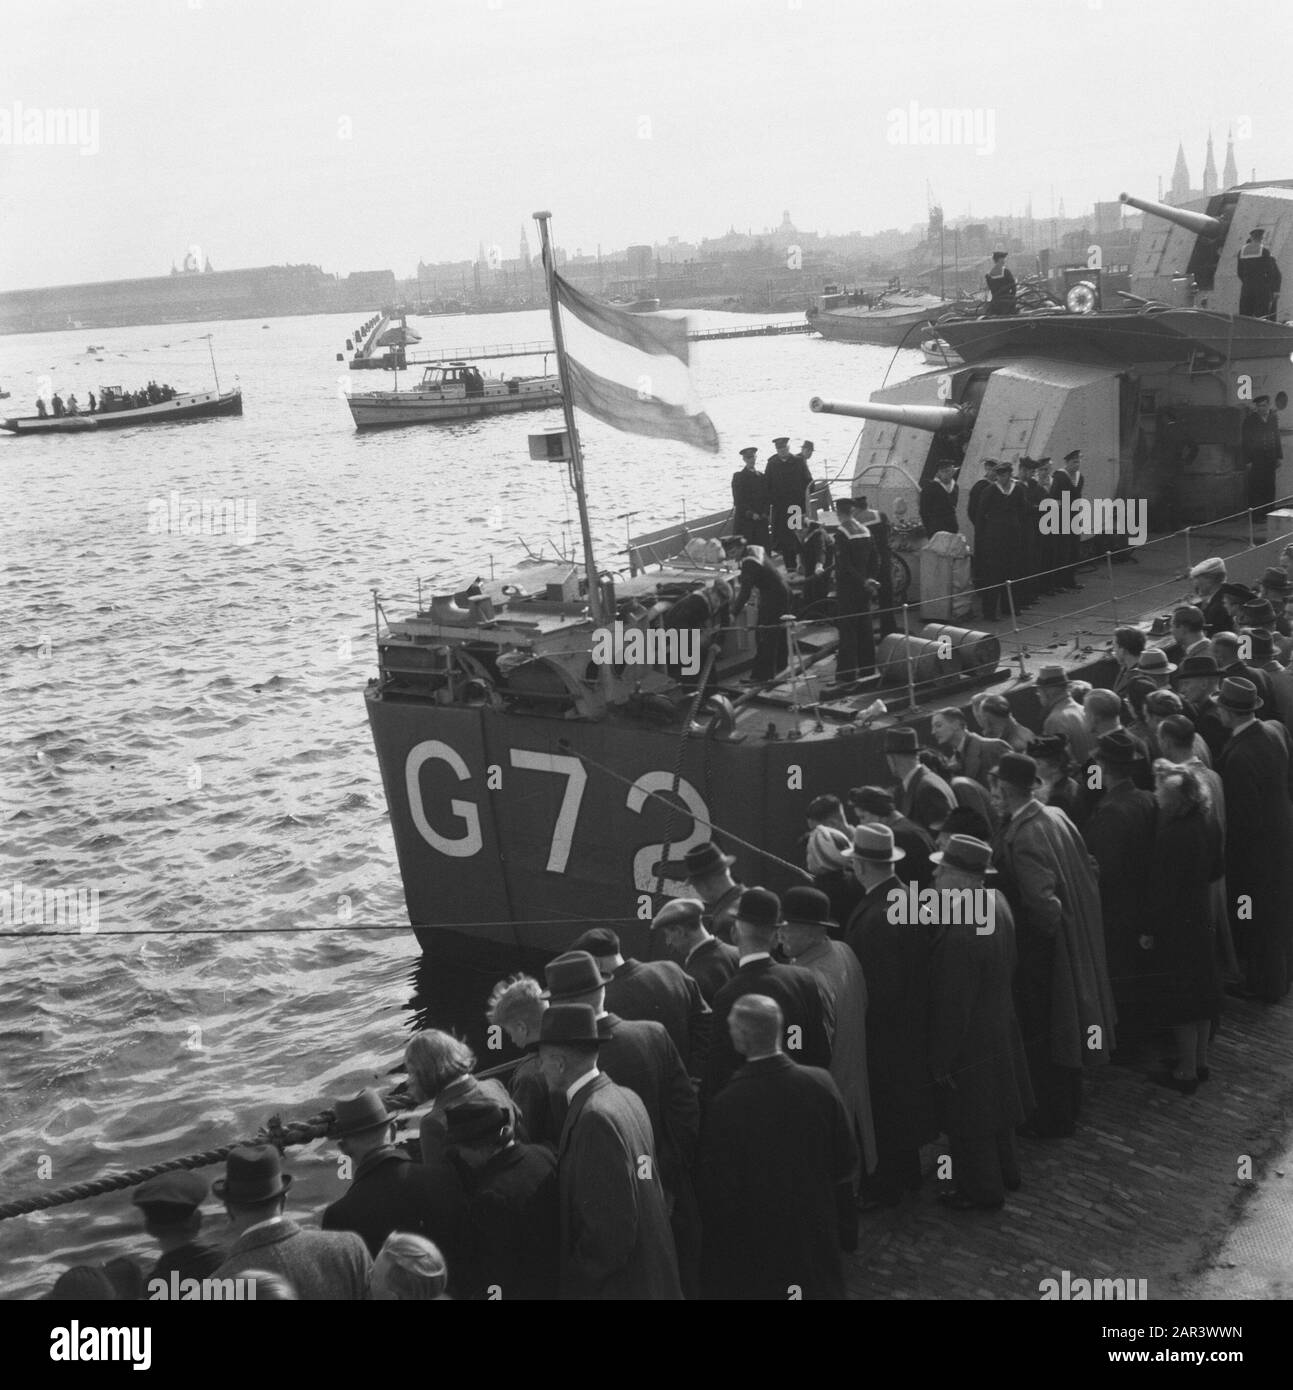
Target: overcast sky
(369,134)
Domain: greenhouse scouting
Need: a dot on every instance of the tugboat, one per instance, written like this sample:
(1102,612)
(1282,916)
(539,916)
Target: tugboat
(453,391)
(532,792)
(893,319)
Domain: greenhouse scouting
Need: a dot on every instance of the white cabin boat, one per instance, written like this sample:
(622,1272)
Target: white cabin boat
(453,391)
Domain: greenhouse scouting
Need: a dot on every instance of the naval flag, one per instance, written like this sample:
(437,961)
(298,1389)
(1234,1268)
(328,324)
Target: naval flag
(630,370)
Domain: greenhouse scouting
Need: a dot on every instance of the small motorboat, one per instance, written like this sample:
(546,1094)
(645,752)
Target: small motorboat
(453,391)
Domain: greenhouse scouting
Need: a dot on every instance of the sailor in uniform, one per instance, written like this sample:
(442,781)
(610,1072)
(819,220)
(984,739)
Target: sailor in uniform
(1262,454)
(856,585)
(788,478)
(1032,562)
(1067,481)
(750,499)
(999,537)
(1259,277)
(938,499)
(759,575)
(1001,288)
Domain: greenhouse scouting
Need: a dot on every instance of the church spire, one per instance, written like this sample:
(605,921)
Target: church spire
(525,249)
(1210,170)
(1180,189)
(1230,174)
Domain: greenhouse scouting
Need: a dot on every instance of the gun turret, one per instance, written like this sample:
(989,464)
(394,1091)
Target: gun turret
(1197,222)
(937,419)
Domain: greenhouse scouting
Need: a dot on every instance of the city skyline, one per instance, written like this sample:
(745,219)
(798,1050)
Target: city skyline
(395,136)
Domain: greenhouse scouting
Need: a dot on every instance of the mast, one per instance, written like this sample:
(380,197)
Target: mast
(214,373)
(595,601)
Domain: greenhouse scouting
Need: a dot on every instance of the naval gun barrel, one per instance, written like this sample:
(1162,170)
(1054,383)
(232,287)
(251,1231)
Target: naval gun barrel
(934,418)
(1198,222)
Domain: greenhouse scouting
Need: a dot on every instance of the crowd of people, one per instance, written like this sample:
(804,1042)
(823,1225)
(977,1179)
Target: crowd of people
(1108,863)
(111,398)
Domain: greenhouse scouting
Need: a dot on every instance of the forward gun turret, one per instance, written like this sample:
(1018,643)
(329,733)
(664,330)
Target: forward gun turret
(937,419)
(1197,222)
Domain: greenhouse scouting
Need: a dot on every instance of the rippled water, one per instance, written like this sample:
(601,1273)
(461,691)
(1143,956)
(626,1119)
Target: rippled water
(185,731)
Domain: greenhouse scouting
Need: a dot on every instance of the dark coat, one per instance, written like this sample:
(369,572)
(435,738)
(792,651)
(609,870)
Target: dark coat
(640,1055)
(433,1127)
(973,1032)
(534,1101)
(1254,768)
(392,1193)
(1000,533)
(1215,617)
(514,1223)
(1187,856)
(720,916)
(926,799)
(750,503)
(775,1178)
(938,507)
(795,990)
(1208,726)
(616,1242)
(895,964)
(319,1265)
(663,992)
(195,1260)
(977,756)
(917,845)
(1120,835)
(788,483)
(711,965)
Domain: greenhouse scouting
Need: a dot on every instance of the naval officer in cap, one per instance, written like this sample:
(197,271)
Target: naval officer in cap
(1259,277)
(750,499)
(1262,454)
(789,479)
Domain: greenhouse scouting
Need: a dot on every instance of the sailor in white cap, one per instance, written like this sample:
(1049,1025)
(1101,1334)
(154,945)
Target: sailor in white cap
(1208,576)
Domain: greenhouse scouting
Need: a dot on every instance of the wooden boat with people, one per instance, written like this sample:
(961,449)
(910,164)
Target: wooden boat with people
(192,405)
(450,392)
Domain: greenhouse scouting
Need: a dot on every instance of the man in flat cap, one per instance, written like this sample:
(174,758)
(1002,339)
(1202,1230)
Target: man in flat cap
(795,990)
(389,1192)
(659,990)
(709,961)
(1208,577)
(319,1265)
(1259,277)
(789,479)
(1062,993)
(1262,452)
(615,1237)
(1256,773)
(750,499)
(171,1207)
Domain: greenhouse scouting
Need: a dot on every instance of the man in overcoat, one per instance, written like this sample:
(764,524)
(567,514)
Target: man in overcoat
(976,1054)
(776,1172)
(706,959)
(1062,993)
(615,1237)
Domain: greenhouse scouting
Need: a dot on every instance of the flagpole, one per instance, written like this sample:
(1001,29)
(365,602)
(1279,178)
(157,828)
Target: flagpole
(595,605)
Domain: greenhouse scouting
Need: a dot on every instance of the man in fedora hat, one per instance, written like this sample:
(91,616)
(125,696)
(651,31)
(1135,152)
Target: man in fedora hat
(1119,834)
(708,873)
(976,1054)
(659,990)
(317,1264)
(750,499)
(1062,714)
(795,990)
(614,1220)
(1209,578)
(1232,666)
(388,1191)
(1255,768)
(171,1207)
(1195,681)
(776,1172)
(876,805)
(806,939)
(1153,665)
(1102,711)
(639,1054)
(895,964)
(1062,992)
(1234,598)
(921,795)
(788,478)
(512,1212)
(1274,585)
(709,961)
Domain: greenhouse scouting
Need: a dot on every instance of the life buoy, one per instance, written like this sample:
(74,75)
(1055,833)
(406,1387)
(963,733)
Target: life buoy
(1081,298)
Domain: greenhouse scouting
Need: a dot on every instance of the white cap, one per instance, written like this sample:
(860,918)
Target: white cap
(1213,565)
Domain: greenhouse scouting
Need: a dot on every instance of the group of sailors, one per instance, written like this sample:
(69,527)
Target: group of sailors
(110,399)
(710,1122)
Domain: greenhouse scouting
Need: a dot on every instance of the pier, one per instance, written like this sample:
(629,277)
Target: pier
(364,357)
